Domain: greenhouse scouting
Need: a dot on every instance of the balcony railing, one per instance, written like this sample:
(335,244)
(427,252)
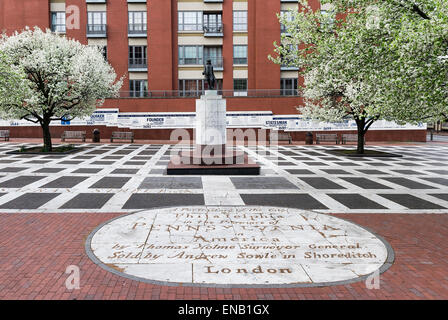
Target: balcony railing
(137,29)
(251,93)
(213,30)
(138,63)
(96,30)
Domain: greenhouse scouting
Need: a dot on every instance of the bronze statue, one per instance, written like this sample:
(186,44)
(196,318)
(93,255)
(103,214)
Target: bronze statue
(209,75)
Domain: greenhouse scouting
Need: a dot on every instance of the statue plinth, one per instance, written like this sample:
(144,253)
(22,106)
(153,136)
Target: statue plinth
(211,120)
(210,155)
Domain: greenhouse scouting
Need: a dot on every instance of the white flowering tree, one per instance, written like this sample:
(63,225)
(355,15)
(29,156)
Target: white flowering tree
(10,79)
(63,79)
(368,60)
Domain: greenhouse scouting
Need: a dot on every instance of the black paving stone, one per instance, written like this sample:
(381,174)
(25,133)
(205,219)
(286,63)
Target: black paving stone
(134,163)
(154,200)
(408,172)
(262,183)
(321,183)
(436,164)
(299,201)
(157,171)
(105,163)
(20,182)
(143,158)
(97,151)
(12,169)
(29,201)
(288,153)
(335,171)
(407,183)
(70,162)
(110,183)
(443,196)
(365,183)
(367,171)
(299,171)
(442,181)
(378,164)
(442,172)
(125,171)
(88,201)
(49,170)
(88,170)
(312,153)
(286,164)
(123,152)
(64,182)
(355,201)
(112,157)
(302,158)
(409,164)
(410,201)
(148,152)
(171,183)
(315,164)
(38,161)
(346,164)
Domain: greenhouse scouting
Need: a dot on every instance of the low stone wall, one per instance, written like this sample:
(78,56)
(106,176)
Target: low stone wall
(164,134)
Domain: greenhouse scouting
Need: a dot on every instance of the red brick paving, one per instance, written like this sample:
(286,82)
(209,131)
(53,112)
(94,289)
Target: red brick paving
(35,250)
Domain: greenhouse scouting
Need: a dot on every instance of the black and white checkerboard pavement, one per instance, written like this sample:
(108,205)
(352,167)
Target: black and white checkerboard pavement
(130,177)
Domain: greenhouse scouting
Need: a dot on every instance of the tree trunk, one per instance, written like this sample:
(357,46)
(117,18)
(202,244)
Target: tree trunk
(361,133)
(48,147)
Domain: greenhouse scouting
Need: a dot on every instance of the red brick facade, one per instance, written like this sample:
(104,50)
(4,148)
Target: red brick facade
(263,28)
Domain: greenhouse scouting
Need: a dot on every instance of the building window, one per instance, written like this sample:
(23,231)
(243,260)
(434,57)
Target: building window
(288,60)
(289,17)
(137,57)
(137,22)
(138,88)
(239,20)
(96,22)
(288,87)
(239,54)
(214,54)
(240,87)
(190,55)
(58,22)
(190,21)
(194,88)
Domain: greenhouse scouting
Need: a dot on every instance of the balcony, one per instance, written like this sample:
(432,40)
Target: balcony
(213,30)
(138,65)
(96,31)
(137,30)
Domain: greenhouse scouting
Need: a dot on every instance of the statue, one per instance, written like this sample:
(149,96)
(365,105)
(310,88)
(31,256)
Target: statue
(209,75)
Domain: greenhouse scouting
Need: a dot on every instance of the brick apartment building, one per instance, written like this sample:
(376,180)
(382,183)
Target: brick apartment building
(162,45)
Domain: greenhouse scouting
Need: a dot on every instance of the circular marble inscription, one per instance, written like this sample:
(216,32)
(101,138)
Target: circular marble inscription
(238,246)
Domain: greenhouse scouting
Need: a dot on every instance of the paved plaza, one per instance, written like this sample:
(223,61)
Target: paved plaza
(51,206)
(124,178)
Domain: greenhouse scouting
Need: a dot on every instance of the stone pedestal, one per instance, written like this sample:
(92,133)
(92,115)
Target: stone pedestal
(211,120)
(210,155)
